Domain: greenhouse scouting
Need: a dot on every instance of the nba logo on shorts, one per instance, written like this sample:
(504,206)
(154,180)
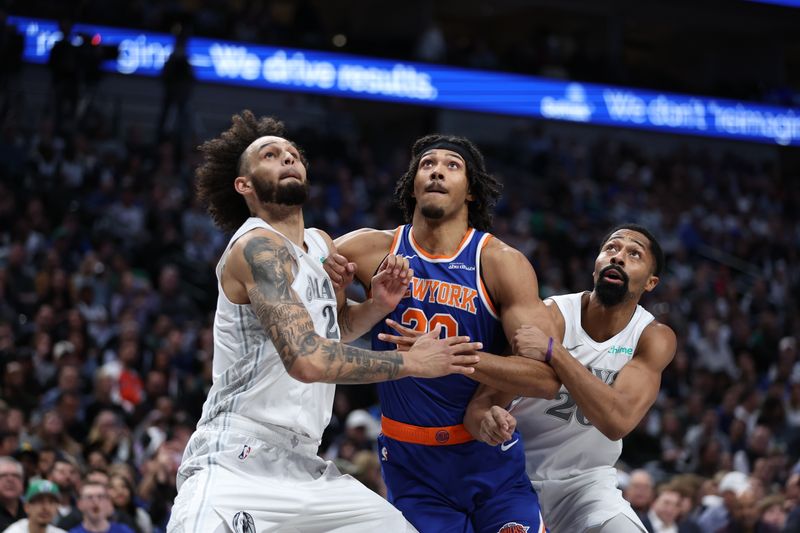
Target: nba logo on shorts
(245,452)
(513,527)
(243,523)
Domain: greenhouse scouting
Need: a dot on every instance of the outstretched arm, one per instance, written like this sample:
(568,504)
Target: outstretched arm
(262,264)
(617,408)
(512,282)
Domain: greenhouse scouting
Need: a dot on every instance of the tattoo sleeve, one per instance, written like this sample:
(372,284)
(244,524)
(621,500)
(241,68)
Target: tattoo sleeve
(345,320)
(289,326)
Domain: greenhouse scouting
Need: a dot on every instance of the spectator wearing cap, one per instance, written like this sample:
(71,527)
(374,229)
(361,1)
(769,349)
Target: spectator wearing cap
(731,487)
(361,430)
(11,508)
(41,506)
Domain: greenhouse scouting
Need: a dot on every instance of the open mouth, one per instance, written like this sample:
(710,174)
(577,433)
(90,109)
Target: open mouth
(613,275)
(290,175)
(437,190)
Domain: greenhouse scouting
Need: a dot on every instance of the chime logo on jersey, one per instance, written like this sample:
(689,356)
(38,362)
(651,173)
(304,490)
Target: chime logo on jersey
(245,452)
(513,527)
(621,350)
(320,289)
(443,293)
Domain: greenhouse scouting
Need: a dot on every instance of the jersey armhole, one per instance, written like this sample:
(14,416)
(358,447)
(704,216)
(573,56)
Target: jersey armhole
(392,250)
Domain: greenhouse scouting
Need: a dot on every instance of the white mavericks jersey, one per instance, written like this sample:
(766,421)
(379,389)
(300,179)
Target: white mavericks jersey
(250,384)
(559,441)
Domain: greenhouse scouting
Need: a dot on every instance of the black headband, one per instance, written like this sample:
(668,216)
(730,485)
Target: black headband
(460,150)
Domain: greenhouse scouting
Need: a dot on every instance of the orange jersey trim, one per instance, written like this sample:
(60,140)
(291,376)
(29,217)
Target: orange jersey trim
(397,233)
(427,436)
(421,251)
(481,287)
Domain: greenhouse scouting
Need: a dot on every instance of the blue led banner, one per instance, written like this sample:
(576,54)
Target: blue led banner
(144,53)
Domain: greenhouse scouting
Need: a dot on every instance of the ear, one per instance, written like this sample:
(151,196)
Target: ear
(651,283)
(242,185)
(470,196)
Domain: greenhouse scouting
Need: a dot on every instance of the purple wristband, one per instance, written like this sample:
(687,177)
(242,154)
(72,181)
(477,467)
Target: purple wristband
(549,354)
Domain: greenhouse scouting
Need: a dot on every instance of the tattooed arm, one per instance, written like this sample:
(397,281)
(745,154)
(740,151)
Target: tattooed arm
(259,271)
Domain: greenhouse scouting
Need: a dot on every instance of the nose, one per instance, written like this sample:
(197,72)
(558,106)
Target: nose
(288,158)
(618,259)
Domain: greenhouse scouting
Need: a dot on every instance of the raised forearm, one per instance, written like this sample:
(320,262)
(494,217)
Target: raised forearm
(517,375)
(310,358)
(599,402)
(356,319)
(476,409)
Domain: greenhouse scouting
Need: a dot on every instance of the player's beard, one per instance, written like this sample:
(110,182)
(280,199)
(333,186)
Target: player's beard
(431,211)
(290,193)
(611,294)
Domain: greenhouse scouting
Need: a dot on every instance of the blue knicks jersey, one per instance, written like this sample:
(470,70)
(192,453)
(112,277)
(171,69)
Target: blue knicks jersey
(446,291)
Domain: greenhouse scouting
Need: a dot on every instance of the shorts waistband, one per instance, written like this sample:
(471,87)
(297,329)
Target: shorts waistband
(276,435)
(427,436)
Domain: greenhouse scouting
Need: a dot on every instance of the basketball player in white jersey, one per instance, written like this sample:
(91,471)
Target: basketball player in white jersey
(252,463)
(609,359)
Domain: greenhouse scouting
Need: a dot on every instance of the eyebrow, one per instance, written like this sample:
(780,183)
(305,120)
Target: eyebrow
(264,146)
(622,238)
(451,154)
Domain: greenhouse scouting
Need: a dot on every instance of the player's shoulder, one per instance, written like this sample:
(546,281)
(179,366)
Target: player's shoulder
(500,260)
(658,331)
(365,242)
(657,340)
(366,238)
(498,251)
(257,234)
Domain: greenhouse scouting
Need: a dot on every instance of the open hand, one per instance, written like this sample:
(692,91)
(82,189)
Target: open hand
(432,357)
(405,340)
(390,284)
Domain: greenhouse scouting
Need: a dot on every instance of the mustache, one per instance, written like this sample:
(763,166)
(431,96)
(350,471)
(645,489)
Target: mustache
(435,187)
(616,269)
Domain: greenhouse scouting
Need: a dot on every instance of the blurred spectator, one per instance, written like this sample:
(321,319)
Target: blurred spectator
(96,508)
(41,501)
(722,515)
(64,473)
(66,71)
(121,491)
(11,487)
(177,78)
(664,512)
(640,491)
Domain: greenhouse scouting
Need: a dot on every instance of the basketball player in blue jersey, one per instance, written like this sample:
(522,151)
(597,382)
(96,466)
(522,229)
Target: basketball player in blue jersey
(252,463)
(469,283)
(611,371)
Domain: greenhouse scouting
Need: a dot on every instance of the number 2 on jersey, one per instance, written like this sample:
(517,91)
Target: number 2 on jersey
(415,319)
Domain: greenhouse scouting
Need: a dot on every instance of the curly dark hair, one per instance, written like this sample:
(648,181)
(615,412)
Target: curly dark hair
(224,161)
(483,186)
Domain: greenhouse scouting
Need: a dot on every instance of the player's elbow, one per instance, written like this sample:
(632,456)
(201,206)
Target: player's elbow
(550,389)
(305,371)
(614,430)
